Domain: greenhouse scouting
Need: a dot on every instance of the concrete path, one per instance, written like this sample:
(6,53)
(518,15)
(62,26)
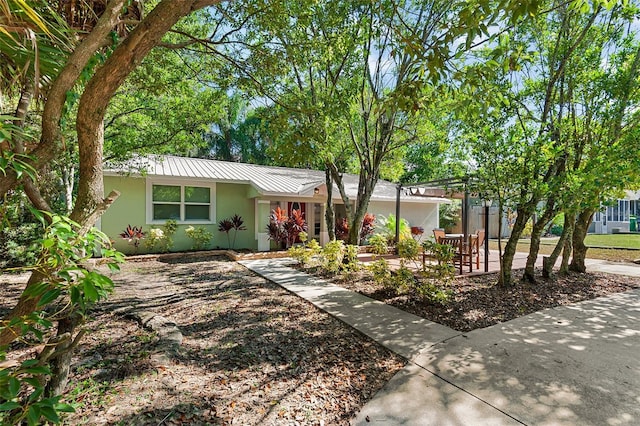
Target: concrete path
(569,365)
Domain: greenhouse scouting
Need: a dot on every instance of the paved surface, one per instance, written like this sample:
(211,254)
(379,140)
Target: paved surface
(571,365)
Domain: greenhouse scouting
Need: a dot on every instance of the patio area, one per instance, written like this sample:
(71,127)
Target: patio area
(519,261)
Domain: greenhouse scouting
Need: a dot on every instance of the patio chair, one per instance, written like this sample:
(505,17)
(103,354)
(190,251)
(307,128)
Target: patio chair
(476,248)
(438,233)
(461,256)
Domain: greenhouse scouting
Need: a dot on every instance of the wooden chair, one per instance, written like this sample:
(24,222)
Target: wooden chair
(438,234)
(459,248)
(480,240)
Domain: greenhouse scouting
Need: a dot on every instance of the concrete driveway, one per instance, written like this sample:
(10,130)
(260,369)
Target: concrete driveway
(571,365)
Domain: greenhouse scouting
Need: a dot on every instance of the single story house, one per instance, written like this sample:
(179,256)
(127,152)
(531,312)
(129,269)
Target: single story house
(200,192)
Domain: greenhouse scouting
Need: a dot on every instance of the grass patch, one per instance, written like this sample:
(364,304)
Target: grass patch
(548,244)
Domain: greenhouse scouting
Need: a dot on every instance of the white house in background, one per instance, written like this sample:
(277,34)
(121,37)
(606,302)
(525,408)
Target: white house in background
(617,217)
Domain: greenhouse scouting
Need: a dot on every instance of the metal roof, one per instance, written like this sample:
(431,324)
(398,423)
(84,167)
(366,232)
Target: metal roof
(267,180)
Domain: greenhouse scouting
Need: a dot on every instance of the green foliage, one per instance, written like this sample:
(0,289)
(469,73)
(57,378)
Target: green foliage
(378,243)
(386,226)
(18,245)
(332,256)
(74,288)
(408,249)
(161,239)
(350,261)
(449,215)
(438,275)
(199,236)
(305,252)
(381,273)
(403,279)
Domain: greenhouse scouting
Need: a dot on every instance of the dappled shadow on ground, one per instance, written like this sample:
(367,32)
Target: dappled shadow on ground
(570,365)
(251,351)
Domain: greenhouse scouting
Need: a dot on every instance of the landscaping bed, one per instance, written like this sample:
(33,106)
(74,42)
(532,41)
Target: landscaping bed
(478,302)
(251,352)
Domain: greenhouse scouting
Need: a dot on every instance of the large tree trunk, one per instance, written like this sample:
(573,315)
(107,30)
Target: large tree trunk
(534,248)
(579,248)
(98,92)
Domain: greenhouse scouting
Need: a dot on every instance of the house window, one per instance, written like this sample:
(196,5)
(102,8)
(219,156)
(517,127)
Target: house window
(182,203)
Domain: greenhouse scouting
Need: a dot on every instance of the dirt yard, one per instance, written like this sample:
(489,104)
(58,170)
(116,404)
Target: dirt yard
(251,353)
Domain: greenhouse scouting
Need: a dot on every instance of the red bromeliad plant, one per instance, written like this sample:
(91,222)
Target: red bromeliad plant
(285,229)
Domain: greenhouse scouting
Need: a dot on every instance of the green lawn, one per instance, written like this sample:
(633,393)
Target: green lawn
(626,243)
(631,241)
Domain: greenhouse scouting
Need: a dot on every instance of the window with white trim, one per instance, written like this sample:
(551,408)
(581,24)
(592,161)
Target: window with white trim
(191,203)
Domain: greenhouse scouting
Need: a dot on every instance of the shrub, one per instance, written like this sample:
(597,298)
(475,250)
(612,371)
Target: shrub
(408,249)
(368,226)
(381,272)
(342,229)
(350,260)
(378,243)
(387,227)
(438,276)
(18,245)
(284,229)
(161,239)
(448,215)
(403,279)
(304,253)
(200,237)
(332,255)
(235,223)
(133,235)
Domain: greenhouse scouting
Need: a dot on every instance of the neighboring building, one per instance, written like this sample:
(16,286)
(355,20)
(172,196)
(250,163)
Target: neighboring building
(617,216)
(202,192)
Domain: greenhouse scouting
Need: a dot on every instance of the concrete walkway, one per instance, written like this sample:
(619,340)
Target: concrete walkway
(569,365)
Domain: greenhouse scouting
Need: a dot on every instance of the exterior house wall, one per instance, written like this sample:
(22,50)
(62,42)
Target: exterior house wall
(234,199)
(417,214)
(130,208)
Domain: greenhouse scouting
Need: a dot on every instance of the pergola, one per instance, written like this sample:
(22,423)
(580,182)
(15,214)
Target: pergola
(441,188)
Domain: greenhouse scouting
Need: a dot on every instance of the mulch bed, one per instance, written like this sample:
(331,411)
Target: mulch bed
(252,353)
(479,302)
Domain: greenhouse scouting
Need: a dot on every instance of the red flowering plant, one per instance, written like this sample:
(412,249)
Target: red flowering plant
(285,229)
(133,235)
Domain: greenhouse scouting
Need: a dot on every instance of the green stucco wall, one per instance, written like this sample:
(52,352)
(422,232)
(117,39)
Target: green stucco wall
(234,199)
(130,208)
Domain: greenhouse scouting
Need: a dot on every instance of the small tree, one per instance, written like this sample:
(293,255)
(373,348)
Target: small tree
(235,223)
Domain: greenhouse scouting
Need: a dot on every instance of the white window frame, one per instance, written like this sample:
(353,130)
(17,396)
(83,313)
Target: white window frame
(182,183)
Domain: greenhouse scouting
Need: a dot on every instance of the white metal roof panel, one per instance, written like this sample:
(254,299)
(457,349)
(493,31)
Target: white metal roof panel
(266,179)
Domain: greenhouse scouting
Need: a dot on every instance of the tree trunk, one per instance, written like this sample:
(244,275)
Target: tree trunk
(510,249)
(549,262)
(61,361)
(579,248)
(329,214)
(534,248)
(568,248)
